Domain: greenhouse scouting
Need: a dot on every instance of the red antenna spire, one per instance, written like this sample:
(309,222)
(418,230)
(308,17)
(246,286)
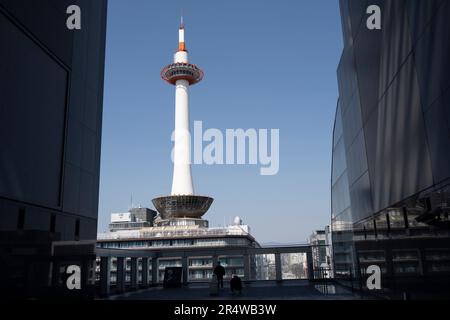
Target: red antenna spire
(181,43)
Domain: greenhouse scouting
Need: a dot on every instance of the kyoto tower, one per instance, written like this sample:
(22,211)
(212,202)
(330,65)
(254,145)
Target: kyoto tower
(182,203)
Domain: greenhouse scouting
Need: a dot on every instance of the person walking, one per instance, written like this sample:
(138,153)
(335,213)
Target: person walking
(219,271)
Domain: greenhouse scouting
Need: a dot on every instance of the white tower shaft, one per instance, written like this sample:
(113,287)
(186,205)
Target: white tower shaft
(182,176)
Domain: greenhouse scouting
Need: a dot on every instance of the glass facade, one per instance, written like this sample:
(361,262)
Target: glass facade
(391,171)
(341,220)
(127,270)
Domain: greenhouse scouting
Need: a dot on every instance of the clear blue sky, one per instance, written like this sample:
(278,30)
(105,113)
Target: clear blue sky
(268,64)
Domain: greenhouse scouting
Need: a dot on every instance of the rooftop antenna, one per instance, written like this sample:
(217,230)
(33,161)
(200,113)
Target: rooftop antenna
(131,201)
(182,19)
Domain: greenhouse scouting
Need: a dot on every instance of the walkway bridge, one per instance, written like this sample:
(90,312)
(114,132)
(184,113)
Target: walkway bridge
(265,271)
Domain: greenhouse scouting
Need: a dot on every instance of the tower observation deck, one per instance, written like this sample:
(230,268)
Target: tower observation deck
(182,203)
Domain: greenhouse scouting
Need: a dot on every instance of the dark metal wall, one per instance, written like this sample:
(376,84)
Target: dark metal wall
(51,84)
(391,144)
(394,86)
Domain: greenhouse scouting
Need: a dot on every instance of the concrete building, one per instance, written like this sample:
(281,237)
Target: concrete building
(184,237)
(329,247)
(318,242)
(136,218)
(51,89)
(391,169)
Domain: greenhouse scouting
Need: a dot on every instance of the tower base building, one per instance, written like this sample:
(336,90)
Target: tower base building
(193,235)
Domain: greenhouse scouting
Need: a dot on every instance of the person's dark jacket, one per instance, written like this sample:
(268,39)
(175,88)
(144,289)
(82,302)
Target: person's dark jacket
(219,271)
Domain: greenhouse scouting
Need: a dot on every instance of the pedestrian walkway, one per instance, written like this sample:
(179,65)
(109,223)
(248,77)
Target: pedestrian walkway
(264,290)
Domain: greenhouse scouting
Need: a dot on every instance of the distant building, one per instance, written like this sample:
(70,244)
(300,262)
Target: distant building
(329,247)
(265,267)
(319,250)
(136,218)
(321,247)
(295,266)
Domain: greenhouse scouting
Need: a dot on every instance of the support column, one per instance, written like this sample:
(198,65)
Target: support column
(309,259)
(145,272)
(278,273)
(105,268)
(55,281)
(215,260)
(422,262)
(389,263)
(86,283)
(120,274)
(154,271)
(247,270)
(133,273)
(184,264)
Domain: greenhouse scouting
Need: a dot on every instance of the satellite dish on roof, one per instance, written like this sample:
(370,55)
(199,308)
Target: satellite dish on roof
(237,221)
